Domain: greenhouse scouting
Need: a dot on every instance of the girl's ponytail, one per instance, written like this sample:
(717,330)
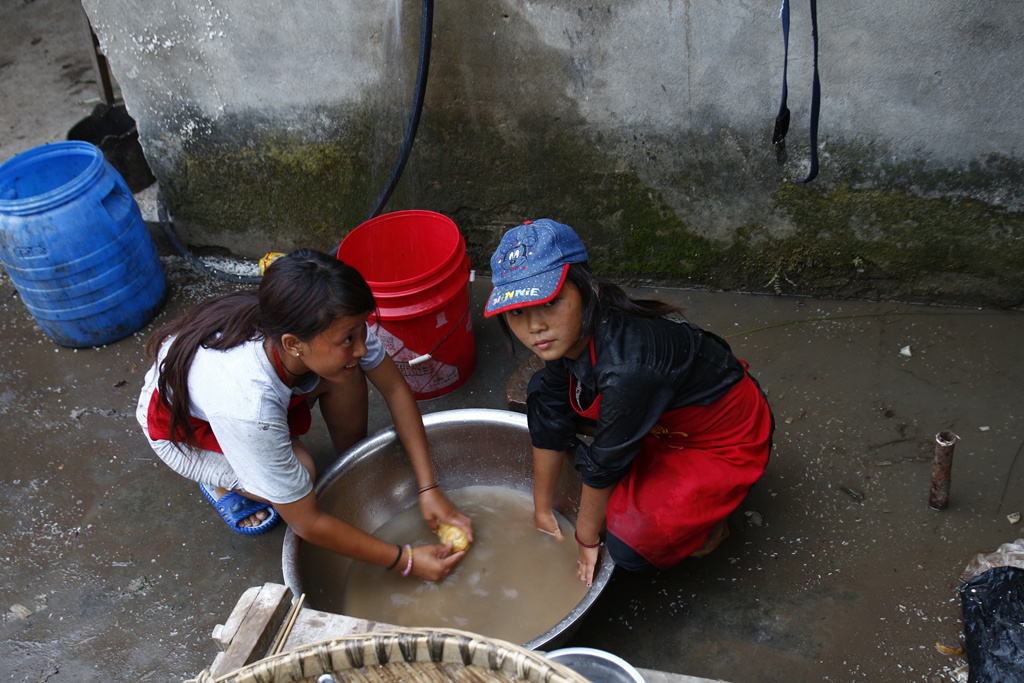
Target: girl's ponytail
(222,322)
(598,295)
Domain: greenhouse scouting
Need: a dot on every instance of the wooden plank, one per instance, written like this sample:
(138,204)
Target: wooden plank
(257,627)
(313,626)
(224,633)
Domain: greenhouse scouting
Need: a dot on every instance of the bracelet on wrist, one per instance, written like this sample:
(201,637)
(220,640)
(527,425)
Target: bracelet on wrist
(397,558)
(408,566)
(424,489)
(576,535)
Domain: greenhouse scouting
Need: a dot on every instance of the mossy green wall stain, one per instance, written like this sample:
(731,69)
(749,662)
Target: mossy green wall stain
(826,238)
(996,178)
(882,242)
(906,233)
(275,189)
(488,183)
(856,237)
(650,242)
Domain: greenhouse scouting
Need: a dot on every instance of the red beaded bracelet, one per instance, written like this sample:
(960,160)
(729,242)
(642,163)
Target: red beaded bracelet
(576,535)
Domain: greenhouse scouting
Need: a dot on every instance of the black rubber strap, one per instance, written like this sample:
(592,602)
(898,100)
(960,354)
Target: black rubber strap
(815,99)
(782,118)
(397,558)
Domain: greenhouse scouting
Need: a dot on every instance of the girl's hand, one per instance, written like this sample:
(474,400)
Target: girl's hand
(434,562)
(545,521)
(436,509)
(587,564)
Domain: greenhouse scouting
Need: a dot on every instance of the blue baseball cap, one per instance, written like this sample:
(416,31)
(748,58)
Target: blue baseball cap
(531,263)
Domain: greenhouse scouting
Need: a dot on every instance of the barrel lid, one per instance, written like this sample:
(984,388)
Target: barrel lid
(47,176)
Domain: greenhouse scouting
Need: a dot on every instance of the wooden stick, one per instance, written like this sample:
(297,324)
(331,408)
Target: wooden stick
(286,629)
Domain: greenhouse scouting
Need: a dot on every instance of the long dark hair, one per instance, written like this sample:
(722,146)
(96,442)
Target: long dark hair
(301,293)
(599,296)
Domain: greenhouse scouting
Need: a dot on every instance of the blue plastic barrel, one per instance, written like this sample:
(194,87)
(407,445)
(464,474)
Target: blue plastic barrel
(73,241)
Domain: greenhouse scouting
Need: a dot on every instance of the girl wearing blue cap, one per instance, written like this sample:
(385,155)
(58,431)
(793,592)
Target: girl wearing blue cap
(229,395)
(680,429)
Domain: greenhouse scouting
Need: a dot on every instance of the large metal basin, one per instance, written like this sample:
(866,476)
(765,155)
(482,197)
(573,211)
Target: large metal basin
(373,482)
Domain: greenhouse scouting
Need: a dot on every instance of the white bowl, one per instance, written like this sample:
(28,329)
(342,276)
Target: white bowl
(597,666)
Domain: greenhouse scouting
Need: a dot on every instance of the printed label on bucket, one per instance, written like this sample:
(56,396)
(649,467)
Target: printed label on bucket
(423,378)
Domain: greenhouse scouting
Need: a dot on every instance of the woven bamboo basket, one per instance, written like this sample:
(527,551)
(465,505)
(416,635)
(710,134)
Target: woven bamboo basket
(408,655)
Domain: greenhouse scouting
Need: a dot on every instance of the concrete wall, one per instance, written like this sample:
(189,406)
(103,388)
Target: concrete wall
(646,125)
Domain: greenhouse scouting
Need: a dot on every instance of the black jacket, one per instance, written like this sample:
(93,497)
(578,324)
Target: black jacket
(645,367)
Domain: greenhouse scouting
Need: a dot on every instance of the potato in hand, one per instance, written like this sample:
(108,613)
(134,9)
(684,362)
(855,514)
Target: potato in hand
(449,533)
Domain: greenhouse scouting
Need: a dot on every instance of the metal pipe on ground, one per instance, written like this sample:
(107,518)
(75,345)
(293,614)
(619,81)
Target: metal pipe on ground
(942,465)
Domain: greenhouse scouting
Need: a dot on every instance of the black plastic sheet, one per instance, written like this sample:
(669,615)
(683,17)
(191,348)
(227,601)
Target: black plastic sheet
(993,609)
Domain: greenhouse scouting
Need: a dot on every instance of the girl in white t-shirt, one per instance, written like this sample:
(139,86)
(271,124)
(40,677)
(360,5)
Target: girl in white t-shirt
(229,395)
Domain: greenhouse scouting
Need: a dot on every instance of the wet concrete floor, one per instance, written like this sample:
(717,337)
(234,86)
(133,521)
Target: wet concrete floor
(116,569)
(836,568)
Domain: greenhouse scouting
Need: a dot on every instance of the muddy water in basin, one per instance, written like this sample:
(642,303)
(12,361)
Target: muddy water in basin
(473,450)
(513,583)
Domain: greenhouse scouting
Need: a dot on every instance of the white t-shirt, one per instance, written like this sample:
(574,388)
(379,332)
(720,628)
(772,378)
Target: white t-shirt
(239,393)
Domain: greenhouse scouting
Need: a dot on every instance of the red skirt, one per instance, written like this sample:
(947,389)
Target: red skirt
(693,469)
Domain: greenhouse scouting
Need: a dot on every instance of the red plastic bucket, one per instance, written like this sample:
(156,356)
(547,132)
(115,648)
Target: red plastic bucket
(416,265)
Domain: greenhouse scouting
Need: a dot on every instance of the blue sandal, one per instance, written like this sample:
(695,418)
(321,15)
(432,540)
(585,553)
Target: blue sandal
(234,508)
